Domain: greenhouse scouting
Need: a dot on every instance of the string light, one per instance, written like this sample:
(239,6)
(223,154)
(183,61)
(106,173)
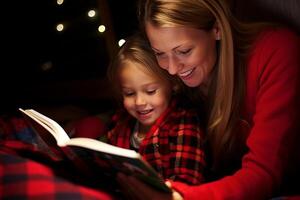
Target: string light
(48,65)
(101,28)
(59,2)
(91,13)
(121,42)
(59,27)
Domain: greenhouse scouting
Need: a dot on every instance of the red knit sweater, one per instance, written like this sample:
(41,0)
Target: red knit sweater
(271,108)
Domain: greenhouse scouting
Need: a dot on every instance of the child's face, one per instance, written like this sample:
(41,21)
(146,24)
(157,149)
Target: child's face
(145,96)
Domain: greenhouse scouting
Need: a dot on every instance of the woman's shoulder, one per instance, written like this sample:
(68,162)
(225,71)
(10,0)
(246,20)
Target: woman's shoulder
(279,32)
(274,44)
(276,37)
(275,55)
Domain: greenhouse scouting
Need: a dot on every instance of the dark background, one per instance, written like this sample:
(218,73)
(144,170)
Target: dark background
(43,67)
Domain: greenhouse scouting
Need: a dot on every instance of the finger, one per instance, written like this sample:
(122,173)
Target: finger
(168,183)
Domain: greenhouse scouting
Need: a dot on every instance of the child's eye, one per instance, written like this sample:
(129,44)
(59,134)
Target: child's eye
(151,92)
(128,94)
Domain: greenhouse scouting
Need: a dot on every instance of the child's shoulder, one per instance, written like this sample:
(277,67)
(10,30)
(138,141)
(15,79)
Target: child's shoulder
(191,110)
(183,111)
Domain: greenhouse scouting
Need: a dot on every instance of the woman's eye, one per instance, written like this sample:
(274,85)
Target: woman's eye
(158,54)
(183,52)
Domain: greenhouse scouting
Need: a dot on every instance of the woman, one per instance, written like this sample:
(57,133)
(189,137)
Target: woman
(248,76)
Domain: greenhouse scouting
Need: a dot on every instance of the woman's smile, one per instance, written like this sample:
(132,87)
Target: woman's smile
(186,74)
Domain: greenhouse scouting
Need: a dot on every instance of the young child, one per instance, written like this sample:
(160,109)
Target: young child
(153,121)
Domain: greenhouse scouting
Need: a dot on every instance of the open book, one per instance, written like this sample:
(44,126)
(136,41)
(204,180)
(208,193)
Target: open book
(90,157)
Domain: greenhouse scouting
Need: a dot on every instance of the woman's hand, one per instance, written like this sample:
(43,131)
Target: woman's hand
(134,189)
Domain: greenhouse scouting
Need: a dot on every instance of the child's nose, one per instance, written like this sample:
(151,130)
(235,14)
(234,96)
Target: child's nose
(140,100)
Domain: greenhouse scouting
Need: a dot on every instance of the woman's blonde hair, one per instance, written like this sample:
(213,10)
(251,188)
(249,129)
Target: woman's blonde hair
(226,91)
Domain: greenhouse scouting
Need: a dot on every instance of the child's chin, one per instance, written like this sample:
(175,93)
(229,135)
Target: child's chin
(146,123)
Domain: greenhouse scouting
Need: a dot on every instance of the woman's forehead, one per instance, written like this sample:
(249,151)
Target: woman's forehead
(170,38)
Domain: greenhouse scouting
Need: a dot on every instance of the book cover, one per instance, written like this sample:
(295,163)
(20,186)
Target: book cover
(92,158)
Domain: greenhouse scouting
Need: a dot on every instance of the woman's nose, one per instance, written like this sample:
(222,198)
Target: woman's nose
(173,65)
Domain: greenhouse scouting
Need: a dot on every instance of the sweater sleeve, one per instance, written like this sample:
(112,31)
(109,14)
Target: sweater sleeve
(272,88)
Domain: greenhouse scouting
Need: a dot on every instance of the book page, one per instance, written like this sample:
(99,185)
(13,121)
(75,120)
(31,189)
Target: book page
(102,147)
(50,125)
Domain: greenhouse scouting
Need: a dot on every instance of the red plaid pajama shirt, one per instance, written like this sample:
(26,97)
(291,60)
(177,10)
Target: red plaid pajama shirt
(23,178)
(173,145)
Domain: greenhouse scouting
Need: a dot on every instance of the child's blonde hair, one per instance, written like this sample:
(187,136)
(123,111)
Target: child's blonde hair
(137,50)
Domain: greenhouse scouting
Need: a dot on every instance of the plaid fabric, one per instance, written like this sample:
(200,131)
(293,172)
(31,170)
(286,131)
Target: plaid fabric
(16,128)
(27,150)
(22,178)
(173,145)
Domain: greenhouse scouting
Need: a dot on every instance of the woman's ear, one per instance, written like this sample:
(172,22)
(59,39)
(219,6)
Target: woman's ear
(216,31)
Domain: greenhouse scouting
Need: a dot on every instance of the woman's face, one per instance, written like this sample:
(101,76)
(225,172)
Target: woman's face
(188,53)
